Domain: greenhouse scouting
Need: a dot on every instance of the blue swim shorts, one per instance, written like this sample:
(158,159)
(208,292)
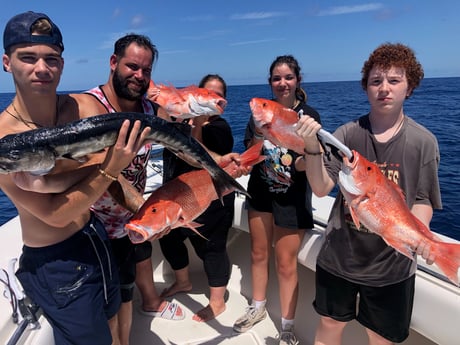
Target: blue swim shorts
(75,282)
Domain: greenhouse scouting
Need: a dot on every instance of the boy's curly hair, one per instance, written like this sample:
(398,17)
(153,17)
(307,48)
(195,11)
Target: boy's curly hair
(390,55)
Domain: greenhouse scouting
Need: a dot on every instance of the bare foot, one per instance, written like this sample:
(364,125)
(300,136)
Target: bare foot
(208,313)
(176,288)
(158,308)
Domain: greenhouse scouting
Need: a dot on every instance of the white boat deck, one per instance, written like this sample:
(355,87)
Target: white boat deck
(435,320)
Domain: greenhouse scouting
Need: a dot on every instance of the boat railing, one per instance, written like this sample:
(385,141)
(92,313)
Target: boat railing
(24,312)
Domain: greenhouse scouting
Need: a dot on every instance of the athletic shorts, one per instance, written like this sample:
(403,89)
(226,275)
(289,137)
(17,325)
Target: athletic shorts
(75,282)
(385,310)
(143,251)
(127,255)
(289,211)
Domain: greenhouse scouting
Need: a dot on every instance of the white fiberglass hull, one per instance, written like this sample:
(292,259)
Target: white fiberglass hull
(435,320)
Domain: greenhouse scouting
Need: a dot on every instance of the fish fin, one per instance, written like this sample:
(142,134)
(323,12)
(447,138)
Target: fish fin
(195,224)
(447,258)
(176,93)
(355,218)
(192,226)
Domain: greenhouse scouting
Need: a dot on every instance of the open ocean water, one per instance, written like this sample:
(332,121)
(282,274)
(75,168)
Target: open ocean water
(435,104)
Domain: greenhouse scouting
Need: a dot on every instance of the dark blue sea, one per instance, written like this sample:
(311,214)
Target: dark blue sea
(435,104)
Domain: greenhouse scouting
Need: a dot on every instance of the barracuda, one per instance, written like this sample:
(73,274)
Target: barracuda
(36,151)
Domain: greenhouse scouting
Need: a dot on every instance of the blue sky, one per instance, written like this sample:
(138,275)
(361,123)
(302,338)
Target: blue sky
(239,39)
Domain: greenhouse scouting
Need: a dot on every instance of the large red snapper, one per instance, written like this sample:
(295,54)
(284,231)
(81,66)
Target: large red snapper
(178,202)
(189,101)
(277,123)
(379,205)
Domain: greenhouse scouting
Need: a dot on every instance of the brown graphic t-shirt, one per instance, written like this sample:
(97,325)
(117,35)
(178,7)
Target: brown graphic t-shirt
(410,159)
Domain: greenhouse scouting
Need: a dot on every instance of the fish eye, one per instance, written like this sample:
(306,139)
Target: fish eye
(154,210)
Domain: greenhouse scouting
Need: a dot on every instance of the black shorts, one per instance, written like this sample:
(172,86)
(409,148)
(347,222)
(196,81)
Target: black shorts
(127,255)
(385,310)
(124,253)
(142,251)
(288,216)
(290,211)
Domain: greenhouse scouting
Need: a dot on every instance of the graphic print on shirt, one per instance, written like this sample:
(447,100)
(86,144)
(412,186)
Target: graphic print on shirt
(113,215)
(277,167)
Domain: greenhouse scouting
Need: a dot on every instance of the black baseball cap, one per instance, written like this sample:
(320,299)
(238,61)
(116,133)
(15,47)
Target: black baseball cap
(18,30)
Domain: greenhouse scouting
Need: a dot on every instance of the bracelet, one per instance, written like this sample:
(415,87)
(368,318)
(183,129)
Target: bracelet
(319,153)
(258,136)
(107,175)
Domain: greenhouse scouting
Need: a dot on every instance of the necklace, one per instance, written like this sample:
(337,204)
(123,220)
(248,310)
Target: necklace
(296,103)
(397,128)
(29,123)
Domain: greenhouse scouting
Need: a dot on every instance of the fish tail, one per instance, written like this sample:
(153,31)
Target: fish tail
(224,184)
(448,260)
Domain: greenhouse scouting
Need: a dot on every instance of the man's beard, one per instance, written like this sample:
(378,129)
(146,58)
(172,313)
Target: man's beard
(123,91)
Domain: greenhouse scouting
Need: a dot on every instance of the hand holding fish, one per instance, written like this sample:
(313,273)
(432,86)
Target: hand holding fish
(125,148)
(153,92)
(424,250)
(199,121)
(234,165)
(307,128)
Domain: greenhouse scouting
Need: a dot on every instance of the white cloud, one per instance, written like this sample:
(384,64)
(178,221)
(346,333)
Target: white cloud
(257,15)
(172,52)
(116,13)
(339,10)
(242,43)
(137,20)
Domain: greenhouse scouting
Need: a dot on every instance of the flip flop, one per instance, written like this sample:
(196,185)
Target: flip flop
(171,311)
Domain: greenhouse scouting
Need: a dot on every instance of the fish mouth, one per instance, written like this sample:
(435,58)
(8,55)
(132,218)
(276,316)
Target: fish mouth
(202,106)
(346,179)
(347,182)
(349,164)
(221,104)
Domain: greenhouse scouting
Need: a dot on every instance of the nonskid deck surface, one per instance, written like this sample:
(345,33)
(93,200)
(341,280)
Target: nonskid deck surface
(154,330)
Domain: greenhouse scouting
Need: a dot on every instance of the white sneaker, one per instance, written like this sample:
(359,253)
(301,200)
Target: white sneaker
(249,319)
(287,337)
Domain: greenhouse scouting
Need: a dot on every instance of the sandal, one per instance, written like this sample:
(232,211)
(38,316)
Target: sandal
(171,311)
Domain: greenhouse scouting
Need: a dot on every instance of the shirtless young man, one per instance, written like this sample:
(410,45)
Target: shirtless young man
(66,266)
